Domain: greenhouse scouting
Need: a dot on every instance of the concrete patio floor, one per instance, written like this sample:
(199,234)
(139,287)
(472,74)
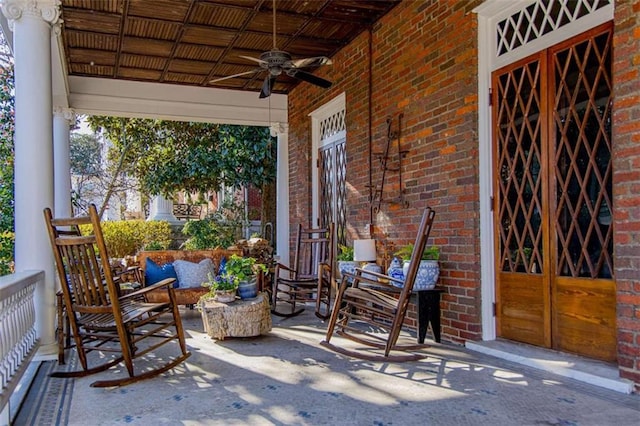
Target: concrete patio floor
(287,378)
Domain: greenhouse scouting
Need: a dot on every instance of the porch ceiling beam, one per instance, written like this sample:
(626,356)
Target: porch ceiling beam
(96,96)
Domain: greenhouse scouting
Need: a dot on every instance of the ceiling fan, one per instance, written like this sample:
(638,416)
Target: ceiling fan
(276,62)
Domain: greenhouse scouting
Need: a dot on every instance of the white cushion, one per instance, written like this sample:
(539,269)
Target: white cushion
(193,274)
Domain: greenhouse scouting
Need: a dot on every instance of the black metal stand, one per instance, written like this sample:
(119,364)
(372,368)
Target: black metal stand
(429,312)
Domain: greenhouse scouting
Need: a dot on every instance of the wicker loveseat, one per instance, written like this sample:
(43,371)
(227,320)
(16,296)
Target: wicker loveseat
(185,296)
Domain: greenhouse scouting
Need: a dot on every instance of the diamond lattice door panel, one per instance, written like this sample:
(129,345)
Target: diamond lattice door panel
(583,289)
(523,296)
(552,153)
(332,188)
(332,174)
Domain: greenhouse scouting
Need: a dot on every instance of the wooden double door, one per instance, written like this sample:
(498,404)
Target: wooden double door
(553,197)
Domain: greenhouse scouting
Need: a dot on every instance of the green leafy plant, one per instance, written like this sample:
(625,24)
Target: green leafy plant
(6,252)
(220,229)
(243,268)
(429,253)
(520,259)
(154,245)
(167,155)
(346,253)
(224,282)
(127,237)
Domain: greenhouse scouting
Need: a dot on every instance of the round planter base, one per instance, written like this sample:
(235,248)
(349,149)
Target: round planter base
(225,296)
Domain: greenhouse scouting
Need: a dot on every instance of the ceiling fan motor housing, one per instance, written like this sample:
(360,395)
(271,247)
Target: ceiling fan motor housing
(275,61)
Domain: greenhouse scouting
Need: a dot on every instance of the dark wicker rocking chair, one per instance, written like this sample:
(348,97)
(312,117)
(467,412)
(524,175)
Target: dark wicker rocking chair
(310,277)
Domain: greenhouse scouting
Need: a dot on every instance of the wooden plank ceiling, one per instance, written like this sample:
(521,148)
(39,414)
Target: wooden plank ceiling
(192,42)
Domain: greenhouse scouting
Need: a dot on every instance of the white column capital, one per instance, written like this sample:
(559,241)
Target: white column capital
(48,10)
(57,27)
(279,128)
(66,113)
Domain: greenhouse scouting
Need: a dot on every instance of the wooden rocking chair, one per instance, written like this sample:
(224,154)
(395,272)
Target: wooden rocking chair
(310,277)
(102,319)
(377,306)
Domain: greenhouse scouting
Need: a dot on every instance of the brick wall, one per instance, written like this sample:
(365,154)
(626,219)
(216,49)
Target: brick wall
(626,183)
(423,66)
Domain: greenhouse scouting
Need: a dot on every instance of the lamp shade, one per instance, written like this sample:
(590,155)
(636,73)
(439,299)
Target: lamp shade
(364,250)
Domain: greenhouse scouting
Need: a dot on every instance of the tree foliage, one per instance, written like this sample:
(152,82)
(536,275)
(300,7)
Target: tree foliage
(7,128)
(85,155)
(168,156)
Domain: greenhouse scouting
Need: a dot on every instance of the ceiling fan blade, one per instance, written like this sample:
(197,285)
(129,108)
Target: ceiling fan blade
(309,78)
(269,81)
(311,62)
(260,61)
(236,75)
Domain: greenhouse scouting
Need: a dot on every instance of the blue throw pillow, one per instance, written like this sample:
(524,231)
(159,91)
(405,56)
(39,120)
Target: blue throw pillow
(154,273)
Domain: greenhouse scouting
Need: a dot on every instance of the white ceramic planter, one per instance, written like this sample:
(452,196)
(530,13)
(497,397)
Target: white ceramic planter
(372,267)
(348,266)
(427,276)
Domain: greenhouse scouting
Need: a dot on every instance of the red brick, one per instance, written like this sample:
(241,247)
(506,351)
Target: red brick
(436,89)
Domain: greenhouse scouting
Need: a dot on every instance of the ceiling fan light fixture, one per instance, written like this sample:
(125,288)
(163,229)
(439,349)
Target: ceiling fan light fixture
(275,71)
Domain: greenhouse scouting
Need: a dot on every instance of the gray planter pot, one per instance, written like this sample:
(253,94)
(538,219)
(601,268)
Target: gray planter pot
(248,289)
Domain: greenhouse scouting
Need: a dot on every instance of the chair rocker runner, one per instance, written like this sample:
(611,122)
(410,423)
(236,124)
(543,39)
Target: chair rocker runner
(371,310)
(310,278)
(102,319)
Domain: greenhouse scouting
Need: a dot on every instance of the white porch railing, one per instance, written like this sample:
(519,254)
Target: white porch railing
(18,340)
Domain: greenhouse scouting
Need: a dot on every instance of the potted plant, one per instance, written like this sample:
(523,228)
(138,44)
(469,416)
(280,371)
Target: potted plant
(222,288)
(428,270)
(345,259)
(245,270)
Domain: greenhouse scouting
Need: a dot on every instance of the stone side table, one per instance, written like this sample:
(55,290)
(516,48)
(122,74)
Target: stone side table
(241,318)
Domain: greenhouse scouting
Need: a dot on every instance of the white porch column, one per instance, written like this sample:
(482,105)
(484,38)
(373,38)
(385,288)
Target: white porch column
(62,118)
(162,209)
(31,22)
(281,130)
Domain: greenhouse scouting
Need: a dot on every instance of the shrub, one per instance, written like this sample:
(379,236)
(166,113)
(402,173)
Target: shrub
(127,237)
(221,229)
(153,245)
(7,240)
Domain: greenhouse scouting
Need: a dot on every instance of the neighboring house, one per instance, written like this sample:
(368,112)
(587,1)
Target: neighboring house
(123,203)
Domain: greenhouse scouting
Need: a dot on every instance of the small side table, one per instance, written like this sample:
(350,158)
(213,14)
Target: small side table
(429,312)
(241,318)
